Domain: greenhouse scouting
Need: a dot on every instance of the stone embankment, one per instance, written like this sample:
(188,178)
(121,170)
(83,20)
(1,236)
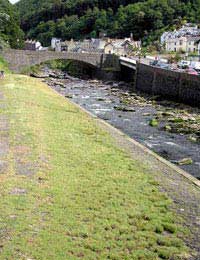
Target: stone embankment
(180,87)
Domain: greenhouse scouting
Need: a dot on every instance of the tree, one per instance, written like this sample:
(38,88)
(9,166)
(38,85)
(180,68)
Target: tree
(10,31)
(146,19)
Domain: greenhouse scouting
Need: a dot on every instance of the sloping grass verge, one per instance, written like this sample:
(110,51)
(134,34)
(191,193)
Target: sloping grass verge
(79,197)
(4,65)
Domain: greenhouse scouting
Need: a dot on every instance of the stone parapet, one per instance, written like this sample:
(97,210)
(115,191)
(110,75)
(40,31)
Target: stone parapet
(18,59)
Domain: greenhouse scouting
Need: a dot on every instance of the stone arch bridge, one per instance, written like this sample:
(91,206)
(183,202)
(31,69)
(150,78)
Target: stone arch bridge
(19,59)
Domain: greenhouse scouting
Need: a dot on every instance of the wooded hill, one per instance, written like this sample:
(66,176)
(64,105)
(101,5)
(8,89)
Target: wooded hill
(86,18)
(10,32)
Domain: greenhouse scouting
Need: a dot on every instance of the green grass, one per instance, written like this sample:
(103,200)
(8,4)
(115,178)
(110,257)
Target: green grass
(3,65)
(27,70)
(87,199)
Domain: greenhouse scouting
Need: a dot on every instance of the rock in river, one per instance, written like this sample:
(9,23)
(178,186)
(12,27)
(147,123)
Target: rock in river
(153,122)
(185,161)
(69,96)
(124,109)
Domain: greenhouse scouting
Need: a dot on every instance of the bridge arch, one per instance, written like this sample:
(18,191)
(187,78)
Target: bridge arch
(18,59)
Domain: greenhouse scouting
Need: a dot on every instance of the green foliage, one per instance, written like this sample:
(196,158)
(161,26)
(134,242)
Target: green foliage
(58,64)
(74,68)
(174,57)
(153,122)
(30,69)
(10,32)
(86,18)
(3,65)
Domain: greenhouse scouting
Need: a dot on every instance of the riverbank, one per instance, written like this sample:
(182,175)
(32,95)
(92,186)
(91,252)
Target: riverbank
(170,129)
(69,192)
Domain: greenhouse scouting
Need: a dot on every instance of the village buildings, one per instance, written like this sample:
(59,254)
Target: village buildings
(198,47)
(185,39)
(121,47)
(33,45)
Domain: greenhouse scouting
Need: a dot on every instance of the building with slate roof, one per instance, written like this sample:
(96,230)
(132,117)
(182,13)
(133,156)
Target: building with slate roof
(185,39)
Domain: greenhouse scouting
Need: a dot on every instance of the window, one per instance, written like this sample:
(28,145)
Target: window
(181,42)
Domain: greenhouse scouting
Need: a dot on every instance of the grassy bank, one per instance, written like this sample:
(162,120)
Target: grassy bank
(69,193)
(3,65)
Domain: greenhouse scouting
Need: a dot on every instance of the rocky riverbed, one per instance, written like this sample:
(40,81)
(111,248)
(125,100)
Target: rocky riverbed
(170,129)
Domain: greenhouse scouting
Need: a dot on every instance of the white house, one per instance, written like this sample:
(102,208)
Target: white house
(56,44)
(114,47)
(186,44)
(121,47)
(198,46)
(33,45)
(183,39)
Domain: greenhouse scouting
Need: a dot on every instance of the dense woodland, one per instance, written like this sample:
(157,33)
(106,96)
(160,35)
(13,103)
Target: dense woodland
(86,18)
(78,19)
(10,32)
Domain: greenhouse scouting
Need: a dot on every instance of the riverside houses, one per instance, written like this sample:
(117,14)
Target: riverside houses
(121,47)
(33,45)
(184,39)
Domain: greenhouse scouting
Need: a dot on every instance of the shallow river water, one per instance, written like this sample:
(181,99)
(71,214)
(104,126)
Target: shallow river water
(101,100)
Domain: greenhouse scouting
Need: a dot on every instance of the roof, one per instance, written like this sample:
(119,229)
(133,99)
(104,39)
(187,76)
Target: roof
(194,38)
(116,43)
(185,31)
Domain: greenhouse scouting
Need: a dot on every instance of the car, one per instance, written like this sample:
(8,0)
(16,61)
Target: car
(165,66)
(158,63)
(154,63)
(183,64)
(196,65)
(191,71)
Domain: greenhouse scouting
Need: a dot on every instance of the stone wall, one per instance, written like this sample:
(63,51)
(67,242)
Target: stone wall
(180,87)
(18,59)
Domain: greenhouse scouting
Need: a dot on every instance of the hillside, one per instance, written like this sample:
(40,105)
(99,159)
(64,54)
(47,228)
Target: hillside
(10,31)
(86,18)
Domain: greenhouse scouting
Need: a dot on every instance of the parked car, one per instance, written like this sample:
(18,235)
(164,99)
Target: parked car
(165,66)
(154,63)
(191,71)
(183,64)
(158,63)
(196,65)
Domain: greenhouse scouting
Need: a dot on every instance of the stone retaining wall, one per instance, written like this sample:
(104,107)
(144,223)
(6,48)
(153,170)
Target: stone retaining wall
(180,87)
